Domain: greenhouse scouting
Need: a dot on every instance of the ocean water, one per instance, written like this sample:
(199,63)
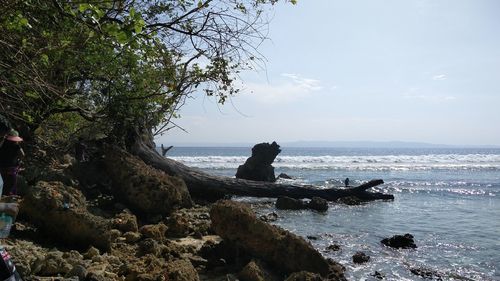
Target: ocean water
(449,199)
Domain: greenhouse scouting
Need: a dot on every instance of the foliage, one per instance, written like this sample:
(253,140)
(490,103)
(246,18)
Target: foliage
(122,64)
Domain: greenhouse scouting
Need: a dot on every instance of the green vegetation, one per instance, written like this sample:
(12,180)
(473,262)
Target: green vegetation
(71,68)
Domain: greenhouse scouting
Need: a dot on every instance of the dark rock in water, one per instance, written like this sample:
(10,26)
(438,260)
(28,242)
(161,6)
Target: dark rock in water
(400,241)
(350,200)
(304,276)
(333,247)
(318,204)
(258,166)
(287,203)
(287,252)
(269,217)
(284,176)
(378,275)
(312,237)
(427,273)
(360,257)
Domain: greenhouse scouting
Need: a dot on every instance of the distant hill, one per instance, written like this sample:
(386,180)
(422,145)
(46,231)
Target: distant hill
(347,144)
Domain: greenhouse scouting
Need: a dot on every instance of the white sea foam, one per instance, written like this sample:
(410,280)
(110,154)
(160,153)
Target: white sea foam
(375,163)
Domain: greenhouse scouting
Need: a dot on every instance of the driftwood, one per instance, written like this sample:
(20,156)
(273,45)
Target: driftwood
(204,185)
(165,150)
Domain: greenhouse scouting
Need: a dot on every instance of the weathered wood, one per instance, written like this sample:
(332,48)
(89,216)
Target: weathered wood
(201,184)
(165,150)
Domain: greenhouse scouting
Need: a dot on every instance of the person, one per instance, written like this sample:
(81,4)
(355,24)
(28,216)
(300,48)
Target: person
(346,182)
(10,161)
(80,150)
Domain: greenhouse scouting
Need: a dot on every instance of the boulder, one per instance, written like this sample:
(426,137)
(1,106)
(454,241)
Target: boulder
(333,247)
(178,225)
(125,222)
(154,231)
(288,203)
(60,212)
(235,222)
(400,241)
(181,270)
(318,204)
(143,188)
(360,257)
(258,167)
(256,271)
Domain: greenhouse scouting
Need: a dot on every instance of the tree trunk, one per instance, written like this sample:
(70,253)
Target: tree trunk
(208,186)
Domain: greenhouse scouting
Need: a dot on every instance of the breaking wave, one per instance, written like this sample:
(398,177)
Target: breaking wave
(368,163)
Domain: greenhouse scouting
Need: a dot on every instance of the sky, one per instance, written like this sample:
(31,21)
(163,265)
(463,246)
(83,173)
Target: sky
(372,70)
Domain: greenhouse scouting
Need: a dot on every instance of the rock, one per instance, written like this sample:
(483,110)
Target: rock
(78,271)
(378,275)
(60,212)
(350,200)
(154,231)
(181,270)
(318,204)
(142,188)
(427,273)
(333,247)
(287,203)
(284,176)
(304,276)
(219,254)
(149,246)
(236,222)
(256,271)
(312,237)
(132,237)
(178,226)
(360,257)
(400,241)
(54,264)
(125,222)
(269,217)
(258,167)
(91,253)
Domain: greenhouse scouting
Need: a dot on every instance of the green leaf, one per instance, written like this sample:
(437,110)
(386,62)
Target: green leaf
(44,59)
(122,37)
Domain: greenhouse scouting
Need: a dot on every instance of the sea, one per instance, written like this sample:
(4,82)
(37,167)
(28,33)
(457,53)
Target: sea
(447,198)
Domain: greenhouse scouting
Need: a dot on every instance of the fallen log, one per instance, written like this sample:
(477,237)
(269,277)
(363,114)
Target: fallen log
(203,185)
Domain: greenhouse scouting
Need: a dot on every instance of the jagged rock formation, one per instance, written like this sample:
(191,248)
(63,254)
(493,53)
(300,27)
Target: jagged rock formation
(236,222)
(258,167)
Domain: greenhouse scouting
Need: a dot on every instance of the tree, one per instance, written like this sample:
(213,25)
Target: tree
(121,69)
(113,66)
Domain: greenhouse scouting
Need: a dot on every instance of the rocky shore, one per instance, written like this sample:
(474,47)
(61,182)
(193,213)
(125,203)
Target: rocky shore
(107,221)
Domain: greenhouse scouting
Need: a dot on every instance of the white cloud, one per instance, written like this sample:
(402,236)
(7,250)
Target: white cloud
(439,77)
(306,83)
(294,88)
